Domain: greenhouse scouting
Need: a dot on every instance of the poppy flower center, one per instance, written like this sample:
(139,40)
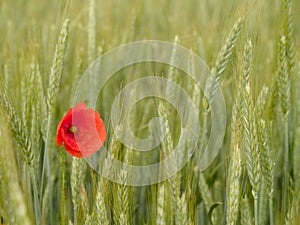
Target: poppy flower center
(72,129)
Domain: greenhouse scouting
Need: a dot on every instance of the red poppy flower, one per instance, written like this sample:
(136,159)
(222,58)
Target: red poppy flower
(82,131)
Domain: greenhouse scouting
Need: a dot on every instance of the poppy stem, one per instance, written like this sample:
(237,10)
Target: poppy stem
(62,199)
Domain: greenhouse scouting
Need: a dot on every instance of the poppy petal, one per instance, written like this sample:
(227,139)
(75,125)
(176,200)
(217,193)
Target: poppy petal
(90,131)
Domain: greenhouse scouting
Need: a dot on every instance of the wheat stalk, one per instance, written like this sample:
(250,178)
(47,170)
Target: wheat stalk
(206,195)
(246,217)
(263,203)
(284,95)
(77,177)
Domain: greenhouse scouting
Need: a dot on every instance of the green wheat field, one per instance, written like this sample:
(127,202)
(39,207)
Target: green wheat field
(252,50)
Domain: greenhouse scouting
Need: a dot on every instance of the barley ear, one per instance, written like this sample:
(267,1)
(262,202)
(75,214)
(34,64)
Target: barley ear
(235,165)
(57,65)
(92,31)
(100,213)
(173,189)
(19,129)
(288,30)
(233,195)
(182,217)
(160,210)
(266,157)
(225,53)
(224,57)
(250,135)
(12,193)
(283,79)
(121,201)
(249,125)
(172,70)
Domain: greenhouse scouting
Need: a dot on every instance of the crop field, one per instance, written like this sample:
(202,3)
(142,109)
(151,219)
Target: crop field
(144,112)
